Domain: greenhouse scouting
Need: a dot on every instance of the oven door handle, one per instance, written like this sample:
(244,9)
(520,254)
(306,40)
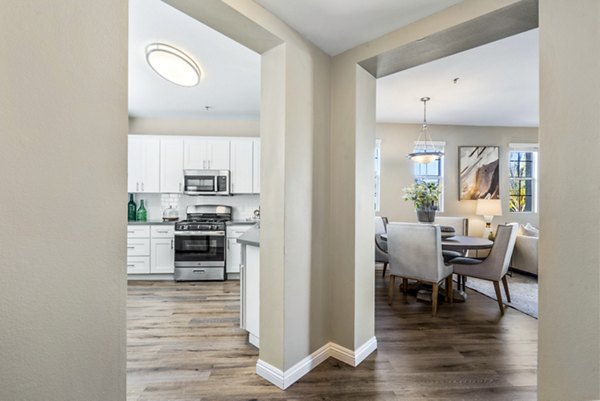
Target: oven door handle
(200,233)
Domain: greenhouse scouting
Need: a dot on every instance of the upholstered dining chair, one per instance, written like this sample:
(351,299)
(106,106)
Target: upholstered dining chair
(495,266)
(381,251)
(415,252)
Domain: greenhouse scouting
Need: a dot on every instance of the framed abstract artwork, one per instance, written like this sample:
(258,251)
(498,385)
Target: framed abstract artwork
(479,172)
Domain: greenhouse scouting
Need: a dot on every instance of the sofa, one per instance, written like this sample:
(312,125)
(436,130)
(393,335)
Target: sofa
(525,255)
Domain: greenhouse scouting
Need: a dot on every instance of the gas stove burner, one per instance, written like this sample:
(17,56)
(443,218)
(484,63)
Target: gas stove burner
(205,218)
(198,226)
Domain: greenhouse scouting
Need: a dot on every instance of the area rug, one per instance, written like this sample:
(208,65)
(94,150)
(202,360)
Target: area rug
(523,292)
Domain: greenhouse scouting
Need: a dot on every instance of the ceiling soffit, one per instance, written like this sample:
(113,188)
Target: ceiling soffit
(508,21)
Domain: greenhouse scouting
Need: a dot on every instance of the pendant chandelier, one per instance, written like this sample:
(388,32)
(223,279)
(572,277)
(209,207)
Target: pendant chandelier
(424,151)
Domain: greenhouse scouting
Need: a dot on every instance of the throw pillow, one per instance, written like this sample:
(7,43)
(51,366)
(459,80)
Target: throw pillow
(530,230)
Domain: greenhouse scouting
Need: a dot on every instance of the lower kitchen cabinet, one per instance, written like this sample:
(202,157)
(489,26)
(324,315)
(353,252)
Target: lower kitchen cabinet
(234,256)
(162,256)
(150,249)
(234,249)
(138,265)
(250,293)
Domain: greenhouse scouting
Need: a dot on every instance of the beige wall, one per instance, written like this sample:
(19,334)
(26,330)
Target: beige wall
(569,325)
(351,179)
(294,131)
(272,258)
(397,140)
(63,152)
(191,126)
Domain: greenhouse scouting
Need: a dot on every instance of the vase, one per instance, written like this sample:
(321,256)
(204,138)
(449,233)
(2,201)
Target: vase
(426,215)
(141,214)
(131,208)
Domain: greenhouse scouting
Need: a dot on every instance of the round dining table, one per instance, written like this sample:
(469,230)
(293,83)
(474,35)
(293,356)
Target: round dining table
(461,242)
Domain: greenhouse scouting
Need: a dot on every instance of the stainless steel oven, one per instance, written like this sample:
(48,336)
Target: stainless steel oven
(206,182)
(200,243)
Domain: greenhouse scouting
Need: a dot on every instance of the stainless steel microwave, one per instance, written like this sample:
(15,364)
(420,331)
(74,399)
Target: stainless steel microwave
(206,182)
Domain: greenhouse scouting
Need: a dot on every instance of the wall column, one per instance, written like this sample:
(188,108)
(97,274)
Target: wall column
(569,256)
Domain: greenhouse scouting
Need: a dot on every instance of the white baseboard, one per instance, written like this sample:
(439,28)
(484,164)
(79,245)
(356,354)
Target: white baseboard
(285,379)
(350,357)
(151,277)
(252,339)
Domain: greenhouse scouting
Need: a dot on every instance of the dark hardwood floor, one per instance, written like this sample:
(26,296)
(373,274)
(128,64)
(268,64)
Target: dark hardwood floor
(184,344)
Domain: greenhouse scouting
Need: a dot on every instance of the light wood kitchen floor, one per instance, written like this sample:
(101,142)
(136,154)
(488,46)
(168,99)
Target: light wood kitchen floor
(184,344)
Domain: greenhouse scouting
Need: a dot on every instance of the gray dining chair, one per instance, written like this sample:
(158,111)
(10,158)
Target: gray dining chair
(415,252)
(495,266)
(381,251)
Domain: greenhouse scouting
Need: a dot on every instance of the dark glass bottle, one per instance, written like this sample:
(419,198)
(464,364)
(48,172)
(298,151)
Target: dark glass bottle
(131,208)
(141,214)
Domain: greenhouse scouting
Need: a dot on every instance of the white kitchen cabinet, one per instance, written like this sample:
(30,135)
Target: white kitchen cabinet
(250,293)
(162,255)
(206,154)
(143,163)
(138,249)
(241,166)
(162,231)
(171,165)
(194,153)
(256,166)
(234,256)
(234,249)
(138,265)
(218,157)
(135,231)
(151,249)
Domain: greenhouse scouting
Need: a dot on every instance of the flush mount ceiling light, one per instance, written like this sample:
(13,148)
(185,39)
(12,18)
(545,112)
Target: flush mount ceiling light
(424,151)
(172,64)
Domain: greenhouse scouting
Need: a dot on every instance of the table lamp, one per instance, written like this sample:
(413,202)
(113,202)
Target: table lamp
(488,208)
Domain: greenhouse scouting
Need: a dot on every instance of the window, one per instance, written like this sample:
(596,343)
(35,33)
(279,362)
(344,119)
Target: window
(433,172)
(377,159)
(522,166)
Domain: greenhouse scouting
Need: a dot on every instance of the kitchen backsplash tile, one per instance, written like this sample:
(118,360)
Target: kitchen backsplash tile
(243,205)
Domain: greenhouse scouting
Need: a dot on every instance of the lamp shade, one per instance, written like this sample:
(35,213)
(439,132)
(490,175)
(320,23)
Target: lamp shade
(489,207)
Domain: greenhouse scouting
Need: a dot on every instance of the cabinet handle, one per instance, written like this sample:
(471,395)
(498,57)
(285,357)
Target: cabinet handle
(209,164)
(142,187)
(131,247)
(228,242)
(162,231)
(130,265)
(204,164)
(179,187)
(171,244)
(232,187)
(130,232)
(137,187)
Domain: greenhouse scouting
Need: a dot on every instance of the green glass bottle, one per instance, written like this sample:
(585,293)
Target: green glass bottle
(131,208)
(141,214)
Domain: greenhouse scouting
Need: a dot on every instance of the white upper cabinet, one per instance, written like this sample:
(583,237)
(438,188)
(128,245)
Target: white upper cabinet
(194,153)
(241,166)
(206,154)
(156,163)
(143,163)
(218,154)
(256,166)
(171,164)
